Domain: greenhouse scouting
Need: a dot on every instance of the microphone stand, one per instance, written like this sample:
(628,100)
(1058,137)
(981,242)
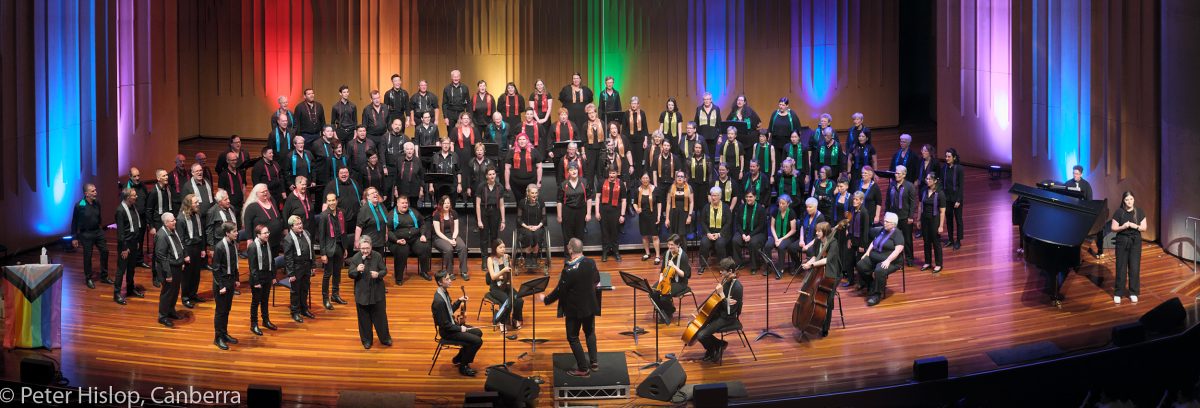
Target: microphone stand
(766,331)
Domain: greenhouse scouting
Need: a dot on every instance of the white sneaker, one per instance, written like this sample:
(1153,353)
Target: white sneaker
(1133,298)
(1117,299)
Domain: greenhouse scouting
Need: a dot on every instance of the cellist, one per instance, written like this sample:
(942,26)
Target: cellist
(724,315)
(672,278)
(828,256)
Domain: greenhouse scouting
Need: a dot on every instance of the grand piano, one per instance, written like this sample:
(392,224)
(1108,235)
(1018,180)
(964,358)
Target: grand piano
(1054,224)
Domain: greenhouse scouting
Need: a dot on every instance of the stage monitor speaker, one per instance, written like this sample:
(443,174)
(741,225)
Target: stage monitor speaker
(264,395)
(1165,318)
(713,395)
(37,371)
(931,368)
(481,399)
(514,390)
(664,382)
(1128,334)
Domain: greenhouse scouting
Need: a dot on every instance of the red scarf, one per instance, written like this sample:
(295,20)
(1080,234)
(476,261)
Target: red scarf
(510,105)
(487,99)
(461,138)
(536,131)
(558,131)
(611,193)
(528,158)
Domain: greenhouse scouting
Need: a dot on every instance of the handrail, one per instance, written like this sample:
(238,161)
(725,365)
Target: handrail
(1193,224)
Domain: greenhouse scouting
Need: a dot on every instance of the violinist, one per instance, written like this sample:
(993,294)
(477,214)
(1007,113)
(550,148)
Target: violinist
(454,331)
(725,315)
(672,279)
(828,256)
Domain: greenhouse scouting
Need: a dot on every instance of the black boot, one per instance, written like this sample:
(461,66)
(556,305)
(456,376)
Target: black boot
(267,323)
(337,298)
(220,342)
(254,329)
(325,302)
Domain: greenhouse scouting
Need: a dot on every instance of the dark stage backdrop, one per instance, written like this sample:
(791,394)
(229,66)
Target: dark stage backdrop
(1180,57)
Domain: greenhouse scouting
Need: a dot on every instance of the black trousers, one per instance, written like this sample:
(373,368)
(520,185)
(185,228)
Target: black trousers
(190,283)
(720,246)
(373,316)
(259,300)
(610,226)
(572,223)
(707,336)
(588,324)
(954,222)
(224,304)
(125,267)
(872,273)
(400,254)
(490,231)
(906,228)
(518,187)
(666,303)
(1129,268)
(300,289)
(332,272)
(516,309)
(787,246)
(169,293)
(100,244)
(932,240)
(755,244)
(470,340)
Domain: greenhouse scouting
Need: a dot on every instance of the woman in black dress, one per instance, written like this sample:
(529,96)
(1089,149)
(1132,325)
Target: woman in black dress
(1128,223)
(531,213)
(680,204)
(931,220)
(648,211)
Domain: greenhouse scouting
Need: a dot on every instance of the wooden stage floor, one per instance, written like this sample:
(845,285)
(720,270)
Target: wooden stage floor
(985,299)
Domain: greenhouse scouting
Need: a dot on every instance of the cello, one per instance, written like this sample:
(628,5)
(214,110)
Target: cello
(703,313)
(815,300)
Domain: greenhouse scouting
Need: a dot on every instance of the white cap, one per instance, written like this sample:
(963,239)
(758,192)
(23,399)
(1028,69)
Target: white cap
(891,217)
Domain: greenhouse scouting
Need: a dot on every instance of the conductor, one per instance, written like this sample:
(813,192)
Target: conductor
(577,290)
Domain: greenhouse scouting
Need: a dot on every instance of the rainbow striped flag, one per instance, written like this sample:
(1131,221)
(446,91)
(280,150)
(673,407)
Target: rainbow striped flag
(32,297)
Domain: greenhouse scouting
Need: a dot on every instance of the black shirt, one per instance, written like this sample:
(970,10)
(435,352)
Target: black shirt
(1082,186)
(1129,236)
(454,99)
(397,103)
(531,214)
(489,197)
(310,119)
(373,220)
(345,116)
(931,205)
(86,219)
(574,196)
(420,103)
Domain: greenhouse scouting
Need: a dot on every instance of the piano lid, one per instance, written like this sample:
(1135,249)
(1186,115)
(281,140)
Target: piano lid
(1056,218)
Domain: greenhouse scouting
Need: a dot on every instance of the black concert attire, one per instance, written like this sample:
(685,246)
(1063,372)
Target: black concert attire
(298,262)
(611,200)
(322,151)
(910,161)
(267,172)
(924,168)
(168,259)
(500,134)
(700,173)
(447,222)
(860,155)
(373,221)
(564,131)
(217,216)
(670,121)
(396,101)
(255,214)
(831,155)
(759,184)
(310,119)
(476,173)
(1129,252)
(446,163)
(662,170)
(610,101)
(932,204)
(750,221)
(158,201)
(349,195)
(410,176)
(482,108)
(499,290)
(823,192)
(575,100)
(731,190)
(902,200)
(261,262)
(683,146)
(724,316)
(807,224)
(729,151)
(715,220)
(234,184)
(791,184)
(88,228)
(650,217)
(344,119)
(454,102)
(835,262)
(1085,189)
(284,112)
(369,299)
(191,231)
(952,181)
(443,317)
(203,191)
(406,226)
(708,121)
(420,103)
(870,269)
(302,207)
(872,198)
(523,169)
(490,200)
(175,179)
(280,141)
(678,200)
(140,206)
(782,125)
(356,150)
(531,215)
(512,108)
(796,153)
(426,135)
(679,283)
(372,176)
(858,235)
(225,276)
(580,305)
(636,130)
(783,222)
(574,204)
(564,163)
(764,154)
(748,116)
(332,244)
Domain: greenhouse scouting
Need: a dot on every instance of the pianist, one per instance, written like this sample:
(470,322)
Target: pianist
(1083,189)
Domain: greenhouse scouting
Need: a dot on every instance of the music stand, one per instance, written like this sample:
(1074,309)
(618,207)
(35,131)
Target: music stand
(529,288)
(249,163)
(637,283)
(613,116)
(497,321)
(438,179)
(491,150)
(766,331)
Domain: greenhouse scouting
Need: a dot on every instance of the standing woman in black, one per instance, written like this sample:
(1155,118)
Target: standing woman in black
(573,206)
(680,205)
(927,165)
(862,153)
(670,121)
(742,112)
(575,97)
(541,103)
(1128,223)
(648,211)
(952,177)
(610,99)
(872,197)
(930,220)
(708,118)
(511,106)
(489,209)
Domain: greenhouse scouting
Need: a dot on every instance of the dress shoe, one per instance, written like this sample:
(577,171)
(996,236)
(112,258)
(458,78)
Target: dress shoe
(720,352)
(296,317)
(270,326)
(337,298)
(221,343)
(957,245)
(254,329)
(174,316)
(308,314)
(386,343)
(399,282)
(143,265)
(778,275)
(105,280)
(189,304)
(366,345)
(873,300)
(925,267)
(230,339)
(465,369)
(120,300)
(578,373)
(157,283)
(948,244)
(604,256)
(328,306)
(707,356)
(136,293)
(617,255)
(425,275)
(90,284)
(1133,298)
(466,277)
(595,365)
(198,299)
(165,322)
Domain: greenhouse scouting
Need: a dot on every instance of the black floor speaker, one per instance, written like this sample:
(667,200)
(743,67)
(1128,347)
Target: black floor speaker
(1165,318)
(514,390)
(664,382)
(714,395)
(37,370)
(931,368)
(269,396)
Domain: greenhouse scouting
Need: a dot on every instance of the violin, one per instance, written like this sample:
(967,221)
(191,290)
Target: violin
(460,316)
(669,270)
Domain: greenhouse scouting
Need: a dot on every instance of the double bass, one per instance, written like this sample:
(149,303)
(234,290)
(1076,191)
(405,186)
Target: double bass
(703,314)
(814,302)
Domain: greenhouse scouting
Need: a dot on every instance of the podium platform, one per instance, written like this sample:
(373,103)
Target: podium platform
(611,381)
